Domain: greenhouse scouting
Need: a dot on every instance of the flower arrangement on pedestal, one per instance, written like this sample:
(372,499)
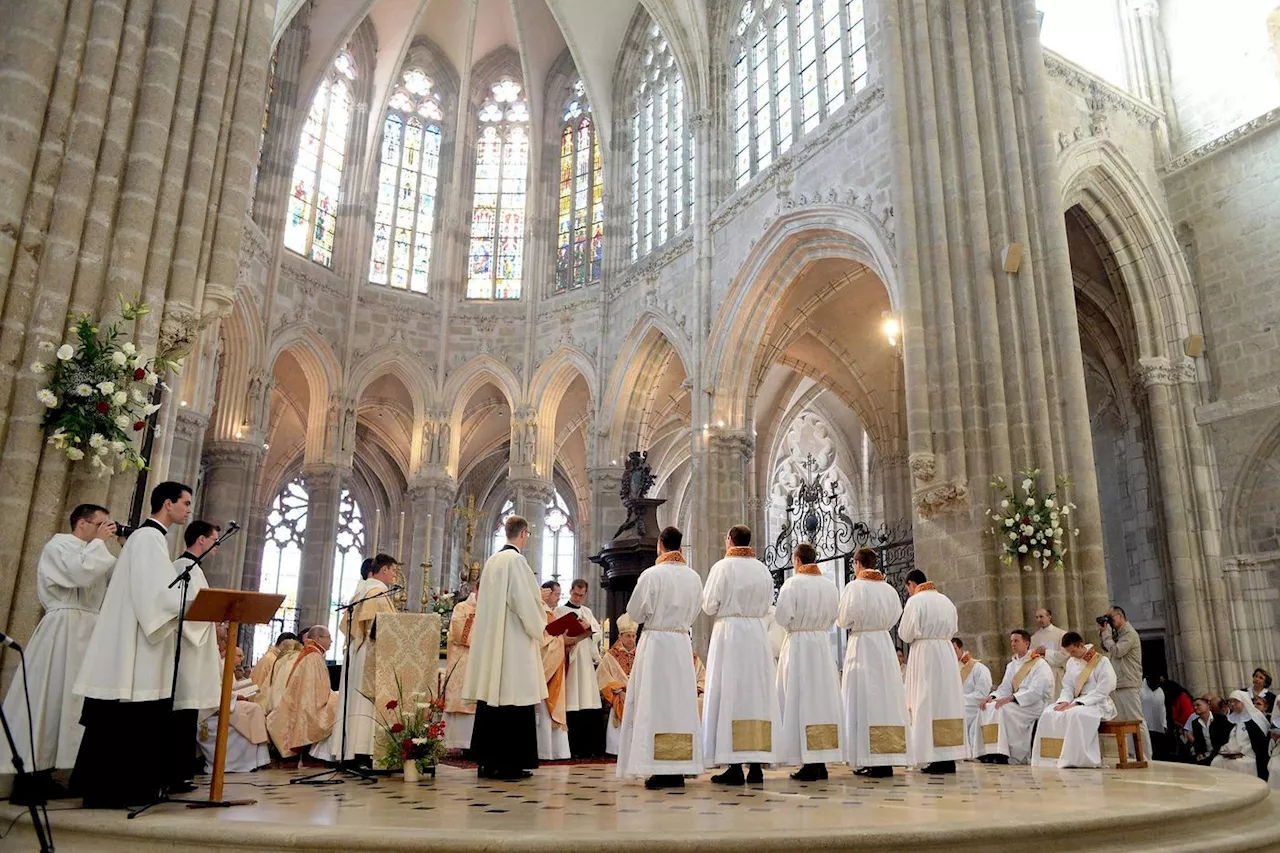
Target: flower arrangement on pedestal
(1031,529)
(100,392)
(413,736)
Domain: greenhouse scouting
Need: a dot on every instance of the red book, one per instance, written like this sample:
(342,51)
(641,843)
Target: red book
(567,624)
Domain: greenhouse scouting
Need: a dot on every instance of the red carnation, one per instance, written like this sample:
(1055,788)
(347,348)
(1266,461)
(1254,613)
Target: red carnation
(392,705)
(103,408)
(397,728)
(139,375)
(407,744)
(138,426)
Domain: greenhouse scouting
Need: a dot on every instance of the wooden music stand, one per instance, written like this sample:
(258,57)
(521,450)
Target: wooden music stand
(235,607)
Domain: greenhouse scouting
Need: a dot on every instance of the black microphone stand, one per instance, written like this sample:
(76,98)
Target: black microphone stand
(184,578)
(46,841)
(331,777)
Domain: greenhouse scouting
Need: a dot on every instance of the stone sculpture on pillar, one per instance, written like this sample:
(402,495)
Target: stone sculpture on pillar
(634,546)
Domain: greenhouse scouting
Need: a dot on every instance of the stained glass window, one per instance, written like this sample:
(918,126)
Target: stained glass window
(580,215)
(347,556)
(559,541)
(496,257)
(262,140)
(404,213)
(795,63)
(661,143)
(282,562)
(317,173)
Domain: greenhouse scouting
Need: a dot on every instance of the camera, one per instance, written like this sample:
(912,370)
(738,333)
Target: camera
(123,530)
(1104,619)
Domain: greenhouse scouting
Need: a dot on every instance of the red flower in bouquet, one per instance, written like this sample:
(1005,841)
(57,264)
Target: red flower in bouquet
(392,705)
(103,408)
(139,426)
(139,374)
(397,728)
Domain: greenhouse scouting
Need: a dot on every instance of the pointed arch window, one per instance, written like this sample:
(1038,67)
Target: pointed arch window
(580,232)
(496,257)
(317,171)
(262,140)
(559,541)
(348,554)
(404,217)
(282,561)
(662,155)
(795,63)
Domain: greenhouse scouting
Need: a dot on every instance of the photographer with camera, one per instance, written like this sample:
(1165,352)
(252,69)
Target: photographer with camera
(71,579)
(1120,642)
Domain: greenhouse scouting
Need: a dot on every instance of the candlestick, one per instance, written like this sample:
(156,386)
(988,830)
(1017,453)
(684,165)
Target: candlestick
(400,541)
(426,555)
(377,530)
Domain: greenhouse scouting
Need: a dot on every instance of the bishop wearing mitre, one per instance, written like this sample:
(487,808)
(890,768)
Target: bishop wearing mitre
(875,701)
(1067,735)
(504,671)
(459,715)
(307,707)
(660,734)
(741,709)
(613,677)
(370,600)
(929,621)
(549,715)
(808,685)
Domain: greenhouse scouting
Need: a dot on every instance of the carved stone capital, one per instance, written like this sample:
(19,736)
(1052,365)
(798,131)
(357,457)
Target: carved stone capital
(178,331)
(432,483)
(1160,371)
(726,441)
(608,478)
(189,425)
(943,497)
(234,454)
(923,466)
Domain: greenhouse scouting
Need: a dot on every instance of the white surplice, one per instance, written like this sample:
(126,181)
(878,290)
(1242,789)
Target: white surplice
(505,664)
(874,697)
(934,695)
(660,732)
(200,671)
(1072,735)
(71,579)
(1007,730)
(976,684)
(1050,640)
(130,654)
(582,693)
(361,728)
(741,718)
(808,683)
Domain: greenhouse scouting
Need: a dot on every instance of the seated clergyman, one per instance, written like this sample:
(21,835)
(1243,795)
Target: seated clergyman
(307,708)
(1067,735)
(246,722)
(1006,719)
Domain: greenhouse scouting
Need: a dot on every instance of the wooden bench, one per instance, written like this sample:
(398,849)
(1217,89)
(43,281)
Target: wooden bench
(1122,729)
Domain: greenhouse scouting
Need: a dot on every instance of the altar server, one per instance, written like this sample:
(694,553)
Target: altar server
(975,681)
(875,700)
(308,706)
(504,671)
(613,677)
(933,677)
(459,715)
(1007,718)
(126,756)
(741,709)
(582,693)
(71,579)
(1067,735)
(660,735)
(808,685)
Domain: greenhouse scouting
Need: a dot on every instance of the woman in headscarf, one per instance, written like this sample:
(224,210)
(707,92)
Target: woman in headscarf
(1247,749)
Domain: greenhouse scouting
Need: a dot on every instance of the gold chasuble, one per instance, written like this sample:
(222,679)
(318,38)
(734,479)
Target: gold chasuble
(553,667)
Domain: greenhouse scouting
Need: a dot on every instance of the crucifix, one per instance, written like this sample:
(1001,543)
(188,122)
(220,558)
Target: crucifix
(470,514)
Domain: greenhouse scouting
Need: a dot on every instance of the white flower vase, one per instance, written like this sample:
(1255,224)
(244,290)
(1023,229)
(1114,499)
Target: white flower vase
(411,772)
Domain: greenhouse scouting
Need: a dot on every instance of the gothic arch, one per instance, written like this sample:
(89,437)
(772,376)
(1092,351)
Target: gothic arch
(630,387)
(396,361)
(1263,458)
(463,383)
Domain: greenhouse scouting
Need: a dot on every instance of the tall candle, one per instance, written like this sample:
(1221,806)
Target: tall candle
(377,531)
(426,555)
(400,541)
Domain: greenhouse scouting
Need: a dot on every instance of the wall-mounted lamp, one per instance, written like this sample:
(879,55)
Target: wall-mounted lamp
(266,446)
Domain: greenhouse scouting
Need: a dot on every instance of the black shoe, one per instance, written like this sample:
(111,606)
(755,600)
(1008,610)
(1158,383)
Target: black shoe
(811,773)
(883,772)
(732,776)
(993,758)
(755,776)
(508,775)
(940,767)
(655,783)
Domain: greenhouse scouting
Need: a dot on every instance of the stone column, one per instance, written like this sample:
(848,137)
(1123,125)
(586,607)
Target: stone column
(324,492)
(430,494)
(976,171)
(723,487)
(1253,621)
(231,475)
(255,539)
(607,515)
(530,499)
(188,446)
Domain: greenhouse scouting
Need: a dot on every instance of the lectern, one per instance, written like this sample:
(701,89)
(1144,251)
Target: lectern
(235,607)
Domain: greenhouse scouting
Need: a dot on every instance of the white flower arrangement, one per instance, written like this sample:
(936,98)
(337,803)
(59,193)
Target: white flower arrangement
(1031,528)
(99,393)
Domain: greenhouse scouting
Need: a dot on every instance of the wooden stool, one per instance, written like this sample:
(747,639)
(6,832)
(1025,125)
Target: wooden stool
(1122,729)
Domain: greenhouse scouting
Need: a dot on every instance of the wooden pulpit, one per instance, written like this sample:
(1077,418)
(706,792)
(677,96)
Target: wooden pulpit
(235,607)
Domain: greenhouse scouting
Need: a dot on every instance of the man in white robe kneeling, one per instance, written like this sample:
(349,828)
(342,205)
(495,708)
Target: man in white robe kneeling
(1068,732)
(659,736)
(1007,718)
(808,687)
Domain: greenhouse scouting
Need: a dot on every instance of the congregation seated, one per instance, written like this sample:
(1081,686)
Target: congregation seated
(1067,733)
(1206,731)
(307,707)
(1260,687)
(1006,719)
(1247,749)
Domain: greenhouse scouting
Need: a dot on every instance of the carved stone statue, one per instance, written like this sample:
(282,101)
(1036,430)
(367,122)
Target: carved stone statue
(637,480)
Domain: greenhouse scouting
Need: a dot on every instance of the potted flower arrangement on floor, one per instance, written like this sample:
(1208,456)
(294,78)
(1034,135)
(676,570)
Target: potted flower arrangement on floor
(412,736)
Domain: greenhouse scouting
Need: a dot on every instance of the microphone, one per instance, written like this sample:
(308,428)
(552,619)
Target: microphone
(232,525)
(10,642)
(393,588)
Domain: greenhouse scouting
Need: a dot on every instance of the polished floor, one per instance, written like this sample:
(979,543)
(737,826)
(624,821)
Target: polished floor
(456,811)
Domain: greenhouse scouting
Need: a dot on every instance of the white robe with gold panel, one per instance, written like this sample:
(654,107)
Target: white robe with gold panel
(1070,738)
(875,699)
(1007,730)
(934,695)
(808,684)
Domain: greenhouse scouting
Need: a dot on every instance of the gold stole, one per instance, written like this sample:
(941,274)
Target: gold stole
(967,667)
(1023,672)
(1086,672)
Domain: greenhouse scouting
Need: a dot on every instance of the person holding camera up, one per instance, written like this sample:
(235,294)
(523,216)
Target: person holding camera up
(71,579)
(1120,642)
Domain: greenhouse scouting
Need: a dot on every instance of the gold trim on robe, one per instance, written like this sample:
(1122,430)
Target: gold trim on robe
(822,736)
(887,740)
(752,735)
(1023,672)
(1051,747)
(991,733)
(740,551)
(1092,659)
(673,746)
(966,666)
(948,732)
